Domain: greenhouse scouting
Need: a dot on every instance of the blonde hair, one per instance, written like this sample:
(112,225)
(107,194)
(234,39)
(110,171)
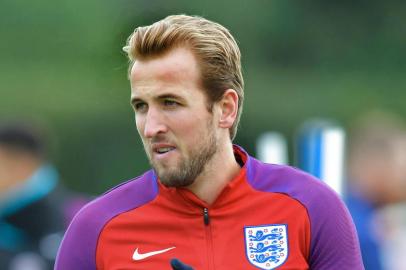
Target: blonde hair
(212,44)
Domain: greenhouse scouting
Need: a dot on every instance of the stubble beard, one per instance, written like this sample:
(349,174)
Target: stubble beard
(188,168)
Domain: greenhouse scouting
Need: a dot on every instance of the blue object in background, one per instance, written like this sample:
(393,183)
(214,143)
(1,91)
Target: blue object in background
(363,213)
(320,147)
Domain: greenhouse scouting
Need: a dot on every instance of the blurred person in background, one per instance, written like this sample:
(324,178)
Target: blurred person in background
(377,180)
(34,207)
(206,201)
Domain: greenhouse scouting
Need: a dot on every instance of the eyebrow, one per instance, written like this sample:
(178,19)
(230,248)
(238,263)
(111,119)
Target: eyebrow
(134,100)
(160,97)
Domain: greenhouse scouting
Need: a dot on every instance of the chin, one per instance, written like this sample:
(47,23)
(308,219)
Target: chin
(174,179)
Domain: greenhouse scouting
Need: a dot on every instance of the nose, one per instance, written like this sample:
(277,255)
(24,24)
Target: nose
(154,123)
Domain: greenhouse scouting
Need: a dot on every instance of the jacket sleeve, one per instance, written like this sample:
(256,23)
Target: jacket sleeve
(334,241)
(78,247)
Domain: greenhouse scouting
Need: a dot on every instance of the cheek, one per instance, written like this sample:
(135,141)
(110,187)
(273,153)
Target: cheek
(184,130)
(139,123)
(195,130)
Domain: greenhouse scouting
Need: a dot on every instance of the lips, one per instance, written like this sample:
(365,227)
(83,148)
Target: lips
(162,148)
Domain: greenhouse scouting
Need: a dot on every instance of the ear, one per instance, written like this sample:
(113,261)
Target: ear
(228,108)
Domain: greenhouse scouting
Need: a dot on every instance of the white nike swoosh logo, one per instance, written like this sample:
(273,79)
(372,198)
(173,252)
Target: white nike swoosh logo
(138,256)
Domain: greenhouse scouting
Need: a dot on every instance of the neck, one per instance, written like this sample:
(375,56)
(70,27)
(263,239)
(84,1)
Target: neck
(220,170)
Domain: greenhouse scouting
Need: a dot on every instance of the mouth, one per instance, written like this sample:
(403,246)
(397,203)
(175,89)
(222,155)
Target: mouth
(162,149)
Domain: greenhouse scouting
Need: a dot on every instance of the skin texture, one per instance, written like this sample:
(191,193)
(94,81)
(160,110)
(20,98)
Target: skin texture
(171,114)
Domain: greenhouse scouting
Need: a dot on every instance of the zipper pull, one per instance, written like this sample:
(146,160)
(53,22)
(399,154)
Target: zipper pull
(206,216)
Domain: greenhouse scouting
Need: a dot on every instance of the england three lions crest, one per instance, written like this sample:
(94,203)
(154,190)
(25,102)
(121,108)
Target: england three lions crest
(266,246)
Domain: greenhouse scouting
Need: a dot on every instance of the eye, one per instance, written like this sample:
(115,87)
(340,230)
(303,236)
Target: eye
(140,107)
(170,103)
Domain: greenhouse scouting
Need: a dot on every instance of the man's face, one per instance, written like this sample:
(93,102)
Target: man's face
(176,128)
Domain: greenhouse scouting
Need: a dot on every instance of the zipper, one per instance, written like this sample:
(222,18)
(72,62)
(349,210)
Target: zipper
(209,239)
(206,218)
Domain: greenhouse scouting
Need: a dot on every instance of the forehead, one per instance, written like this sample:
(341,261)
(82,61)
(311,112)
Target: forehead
(178,67)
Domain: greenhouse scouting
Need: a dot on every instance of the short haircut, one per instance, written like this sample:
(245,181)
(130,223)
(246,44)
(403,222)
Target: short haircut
(22,138)
(212,44)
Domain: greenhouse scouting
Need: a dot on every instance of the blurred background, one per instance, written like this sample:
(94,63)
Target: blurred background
(62,67)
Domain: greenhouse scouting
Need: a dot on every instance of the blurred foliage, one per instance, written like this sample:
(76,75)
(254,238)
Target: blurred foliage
(62,66)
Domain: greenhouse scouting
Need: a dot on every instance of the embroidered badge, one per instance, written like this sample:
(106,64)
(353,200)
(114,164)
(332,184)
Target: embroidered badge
(266,246)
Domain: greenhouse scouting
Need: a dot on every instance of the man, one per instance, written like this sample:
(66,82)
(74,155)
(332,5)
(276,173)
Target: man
(376,174)
(205,202)
(34,208)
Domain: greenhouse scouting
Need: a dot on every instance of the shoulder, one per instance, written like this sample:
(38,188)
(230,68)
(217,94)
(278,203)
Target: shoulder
(334,242)
(318,198)
(289,180)
(297,184)
(124,197)
(80,240)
